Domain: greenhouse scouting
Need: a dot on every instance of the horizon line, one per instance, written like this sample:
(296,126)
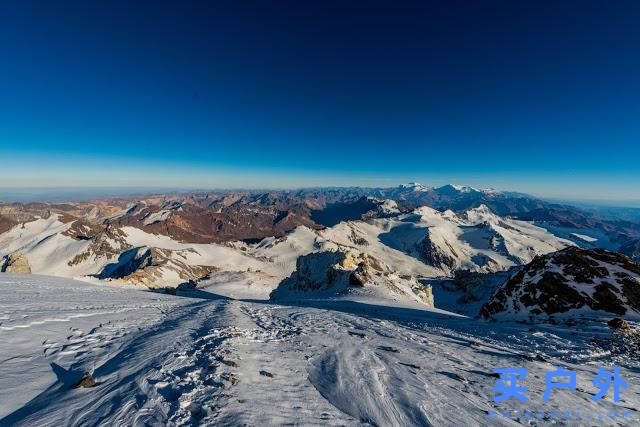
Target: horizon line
(31,194)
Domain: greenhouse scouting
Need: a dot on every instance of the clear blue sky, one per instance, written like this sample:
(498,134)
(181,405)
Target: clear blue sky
(541,97)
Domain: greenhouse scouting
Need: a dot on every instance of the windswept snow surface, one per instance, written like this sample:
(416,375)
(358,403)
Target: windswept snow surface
(204,358)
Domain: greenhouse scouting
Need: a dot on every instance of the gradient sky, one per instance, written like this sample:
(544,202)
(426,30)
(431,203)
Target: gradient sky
(541,97)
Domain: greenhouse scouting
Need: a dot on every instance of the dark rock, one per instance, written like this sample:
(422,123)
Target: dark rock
(229,363)
(230,378)
(410,365)
(86,381)
(357,278)
(618,323)
(266,374)
(432,255)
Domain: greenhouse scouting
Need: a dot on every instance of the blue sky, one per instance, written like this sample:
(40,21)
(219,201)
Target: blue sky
(522,97)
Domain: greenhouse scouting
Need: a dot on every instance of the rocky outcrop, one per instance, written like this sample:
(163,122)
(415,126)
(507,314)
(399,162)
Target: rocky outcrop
(593,283)
(86,381)
(619,324)
(81,229)
(108,243)
(155,268)
(443,256)
(340,272)
(15,263)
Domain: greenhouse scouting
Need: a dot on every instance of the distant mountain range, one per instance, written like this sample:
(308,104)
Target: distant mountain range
(252,215)
(388,238)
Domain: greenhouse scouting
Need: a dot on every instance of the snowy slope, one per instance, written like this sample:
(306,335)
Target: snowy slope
(44,245)
(51,329)
(204,359)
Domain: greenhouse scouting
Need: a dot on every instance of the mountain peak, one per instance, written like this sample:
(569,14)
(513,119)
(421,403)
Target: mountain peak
(482,208)
(453,189)
(415,186)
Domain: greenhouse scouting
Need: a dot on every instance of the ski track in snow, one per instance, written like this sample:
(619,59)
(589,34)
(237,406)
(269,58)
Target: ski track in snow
(162,360)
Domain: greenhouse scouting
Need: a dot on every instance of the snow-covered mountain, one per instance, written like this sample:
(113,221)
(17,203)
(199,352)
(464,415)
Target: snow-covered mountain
(423,243)
(126,254)
(147,243)
(571,282)
(475,240)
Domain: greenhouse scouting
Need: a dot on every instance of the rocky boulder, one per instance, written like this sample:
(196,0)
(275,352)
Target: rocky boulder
(15,263)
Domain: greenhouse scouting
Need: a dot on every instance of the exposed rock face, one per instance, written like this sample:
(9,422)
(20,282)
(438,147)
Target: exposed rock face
(81,229)
(570,281)
(86,381)
(319,271)
(366,269)
(339,272)
(108,243)
(15,263)
(218,222)
(444,257)
(155,268)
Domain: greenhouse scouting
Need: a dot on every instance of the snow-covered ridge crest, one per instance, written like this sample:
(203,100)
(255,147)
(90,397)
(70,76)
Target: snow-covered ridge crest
(478,239)
(415,186)
(56,248)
